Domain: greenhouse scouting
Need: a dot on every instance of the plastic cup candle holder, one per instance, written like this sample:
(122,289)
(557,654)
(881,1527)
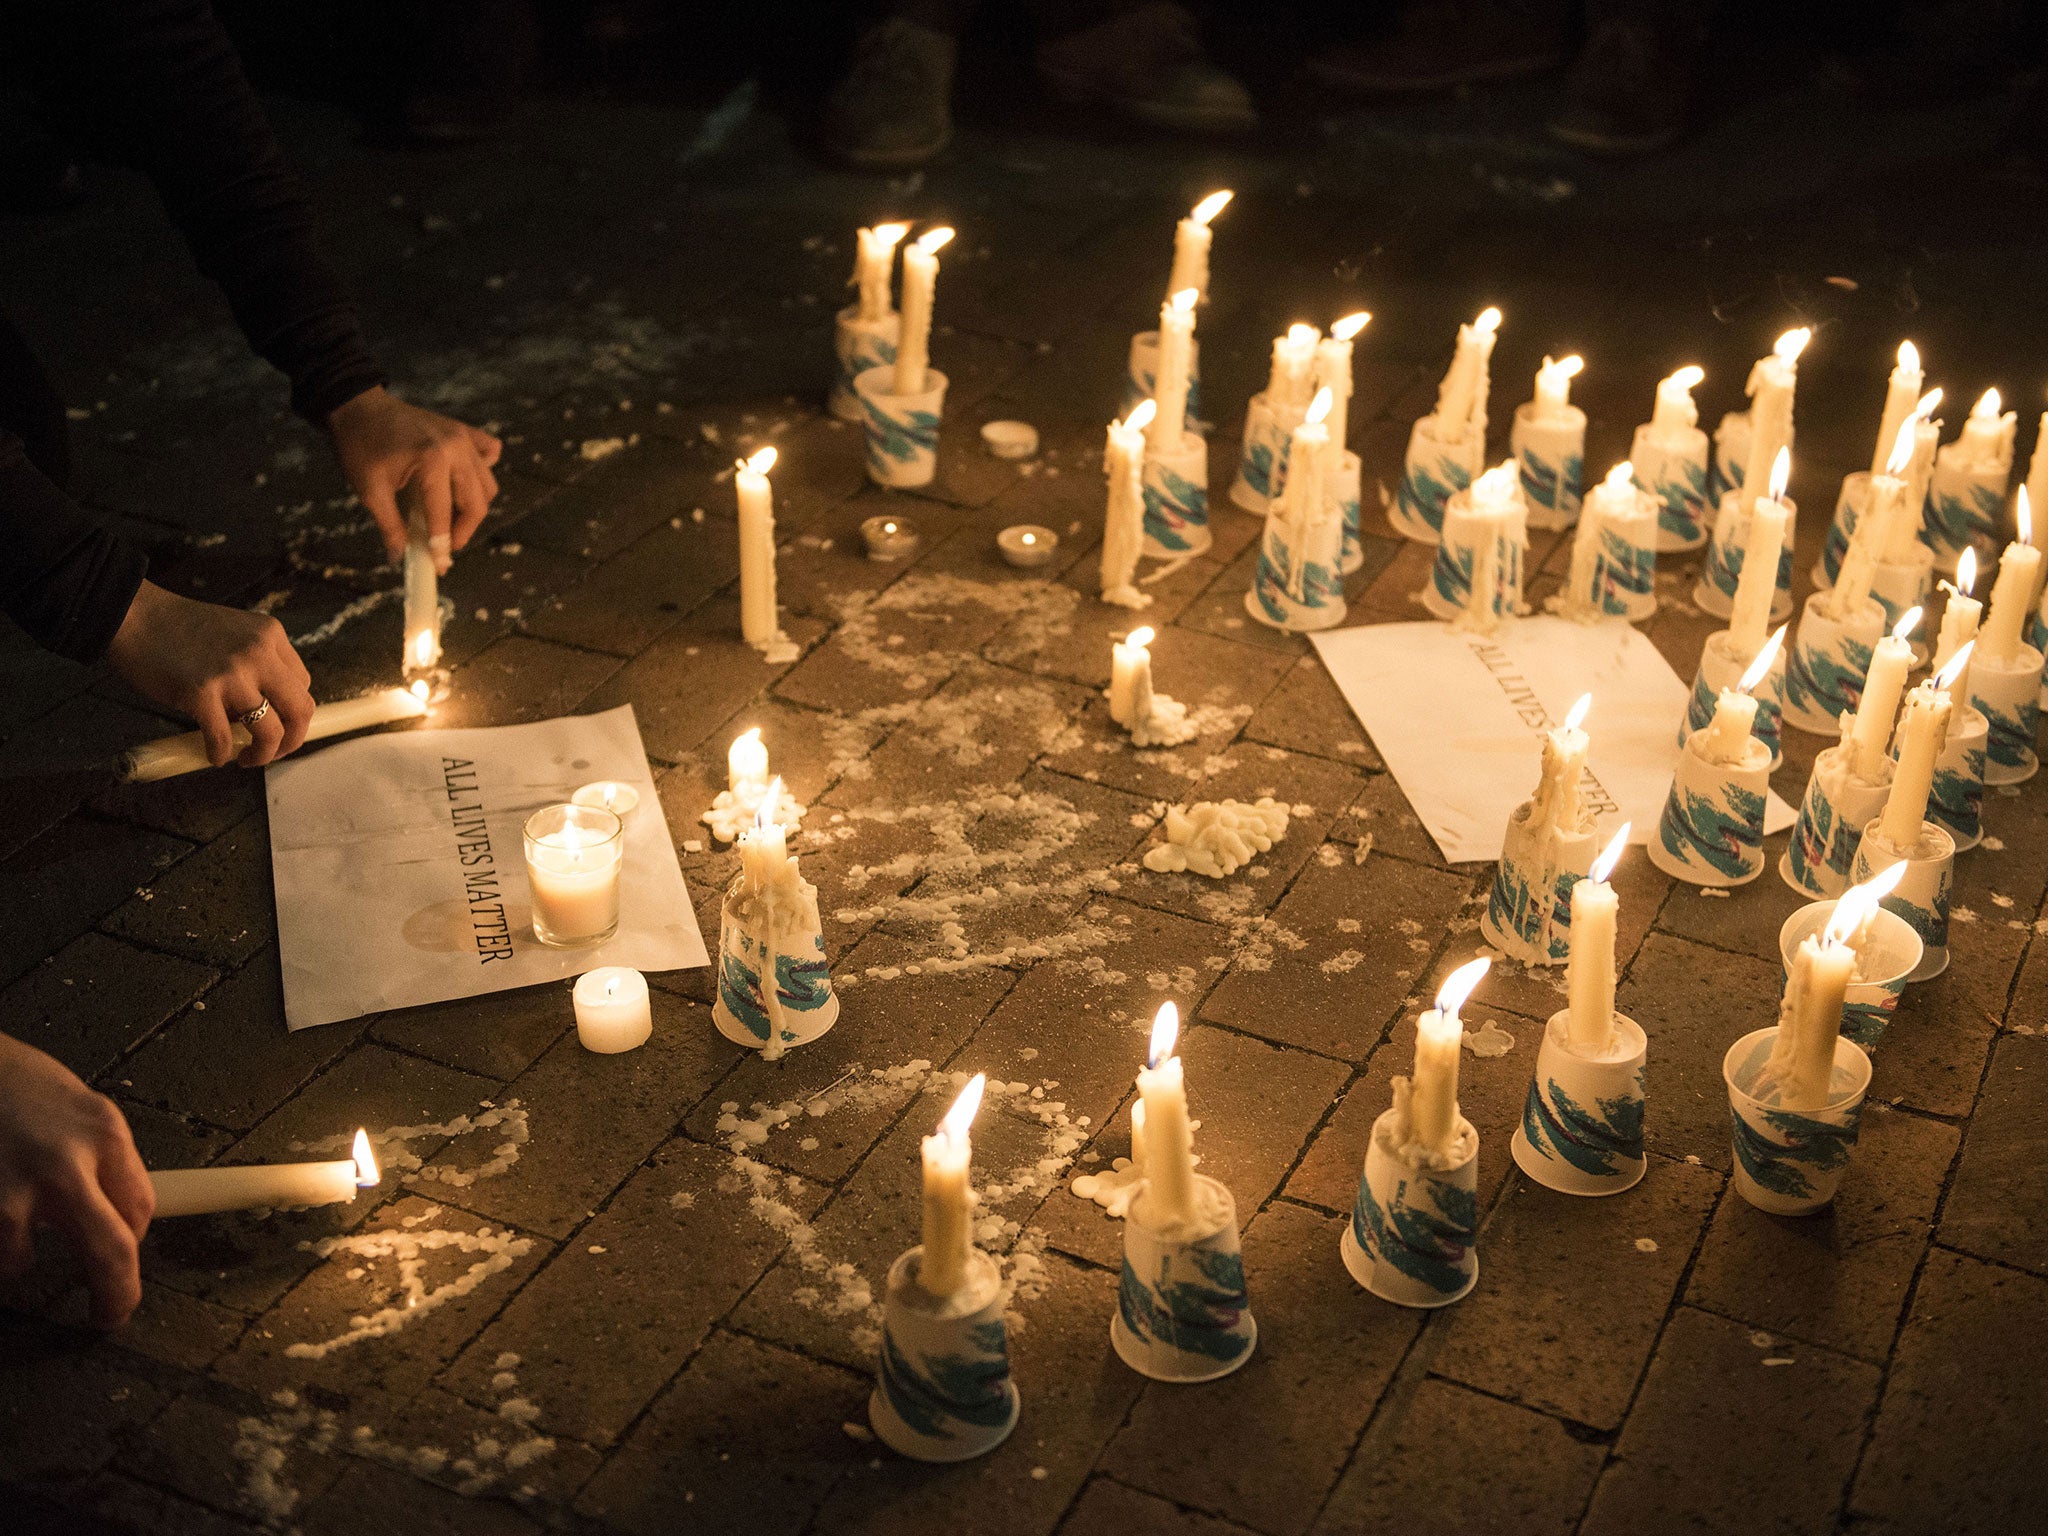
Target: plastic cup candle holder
(1850,502)
(1262,453)
(1437,467)
(902,429)
(2007,692)
(1721,568)
(1347,477)
(857,346)
(942,1390)
(574,857)
(613,1011)
(1582,1123)
(1548,443)
(1476,580)
(1790,1163)
(1712,829)
(1176,490)
(889,538)
(1885,958)
(1141,377)
(774,982)
(1955,803)
(1182,1309)
(1836,808)
(1670,454)
(1921,897)
(1830,656)
(1722,666)
(1028,546)
(1414,1229)
(1731,456)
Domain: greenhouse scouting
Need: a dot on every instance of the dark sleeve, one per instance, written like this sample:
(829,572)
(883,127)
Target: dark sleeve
(157,84)
(67,580)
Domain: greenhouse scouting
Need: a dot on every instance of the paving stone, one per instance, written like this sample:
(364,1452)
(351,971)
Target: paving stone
(1746,922)
(168,1326)
(118,1503)
(497,1035)
(1318,995)
(1839,1278)
(1694,1003)
(89,1003)
(1458,1461)
(519,679)
(63,882)
(798,753)
(196,806)
(1108,1508)
(628,494)
(65,1407)
(1528,1332)
(748,1437)
(1074,1398)
(1383,813)
(1694,1452)
(1968,1356)
(1307,713)
(592,1119)
(371,1500)
(228,1058)
(53,764)
(1220,610)
(1994,1206)
(497,1444)
(216,907)
(1326,1353)
(168,1140)
(639,594)
(1078,646)
(646,1279)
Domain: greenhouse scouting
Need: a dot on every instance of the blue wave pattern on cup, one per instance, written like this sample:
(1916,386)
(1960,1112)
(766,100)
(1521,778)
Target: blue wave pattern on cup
(1768,727)
(803,984)
(1272,583)
(1781,1151)
(1603,1140)
(2011,742)
(1822,680)
(1681,503)
(1195,1304)
(1823,844)
(1954,523)
(1552,484)
(934,1393)
(1425,1230)
(857,352)
(1174,508)
(906,437)
(1721,831)
(1624,576)
(1353,556)
(1956,802)
(1452,576)
(1426,486)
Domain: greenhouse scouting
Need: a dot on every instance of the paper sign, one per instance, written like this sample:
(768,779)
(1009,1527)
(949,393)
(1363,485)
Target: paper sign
(401,871)
(1460,719)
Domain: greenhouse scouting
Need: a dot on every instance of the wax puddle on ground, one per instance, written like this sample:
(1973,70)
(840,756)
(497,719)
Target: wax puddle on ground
(394,1156)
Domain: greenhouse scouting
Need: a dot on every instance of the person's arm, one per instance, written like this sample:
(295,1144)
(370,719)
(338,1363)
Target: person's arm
(67,1161)
(66,579)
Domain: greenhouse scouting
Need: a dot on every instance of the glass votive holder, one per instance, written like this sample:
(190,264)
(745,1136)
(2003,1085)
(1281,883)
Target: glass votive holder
(614,795)
(574,856)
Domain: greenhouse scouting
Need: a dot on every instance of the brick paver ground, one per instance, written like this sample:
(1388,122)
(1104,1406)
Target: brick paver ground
(632,1328)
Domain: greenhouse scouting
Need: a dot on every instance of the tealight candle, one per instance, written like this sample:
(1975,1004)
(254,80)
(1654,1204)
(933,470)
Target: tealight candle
(889,539)
(264,1186)
(574,856)
(1028,546)
(948,1198)
(613,1012)
(614,795)
(1433,1091)
(1169,1138)
(1191,239)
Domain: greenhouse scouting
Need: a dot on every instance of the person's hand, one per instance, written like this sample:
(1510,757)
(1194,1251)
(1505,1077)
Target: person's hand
(217,665)
(67,1161)
(386,446)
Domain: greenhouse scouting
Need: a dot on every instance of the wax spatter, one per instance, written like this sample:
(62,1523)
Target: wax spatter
(410,1250)
(1217,837)
(1646,1245)
(1488,1040)
(860,1089)
(262,1444)
(835,1288)
(1254,937)
(1961,914)
(395,1157)
(1343,962)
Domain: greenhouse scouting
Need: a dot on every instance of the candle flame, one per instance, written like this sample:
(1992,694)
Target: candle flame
(1165,1032)
(2026,516)
(933,239)
(1792,343)
(761,462)
(1620,478)
(888,527)
(1781,473)
(764,813)
(1300,335)
(1763,661)
(423,648)
(1141,415)
(886,235)
(367,1173)
(1687,378)
(1184,301)
(421,691)
(1909,357)
(960,1117)
(1908,622)
(1029,538)
(1459,985)
(1140,637)
(751,733)
(1210,206)
(1319,408)
(1488,321)
(1859,901)
(1988,406)
(1929,402)
(1610,855)
(1576,715)
(1966,568)
(1567,368)
(1903,446)
(1948,674)
(1497,484)
(1350,325)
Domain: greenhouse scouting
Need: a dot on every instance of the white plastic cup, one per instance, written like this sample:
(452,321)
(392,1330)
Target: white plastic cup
(1722,667)
(1721,568)
(1787,1163)
(1182,1310)
(1890,955)
(1834,811)
(802,980)
(1829,661)
(1673,471)
(857,346)
(1528,912)
(1922,894)
(1712,829)
(1262,454)
(942,1383)
(1176,490)
(1582,1123)
(1413,1234)
(1550,456)
(2008,695)
(1141,376)
(1435,470)
(1346,480)
(902,430)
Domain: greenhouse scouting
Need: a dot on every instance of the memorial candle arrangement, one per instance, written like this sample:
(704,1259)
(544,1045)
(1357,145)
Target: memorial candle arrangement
(901,402)
(760,622)
(1768,430)
(1153,719)
(1548,845)
(169,756)
(1297,584)
(1967,494)
(1176,471)
(746,788)
(1669,453)
(423,566)
(1447,448)
(1182,1310)
(1476,580)
(1728,653)
(942,1379)
(264,1186)
(865,333)
(1333,371)
(1712,828)
(1548,441)
(774,985)
(1123,517)
(1613,571)
(2005,676)
(1582,1123)
(1416,1217)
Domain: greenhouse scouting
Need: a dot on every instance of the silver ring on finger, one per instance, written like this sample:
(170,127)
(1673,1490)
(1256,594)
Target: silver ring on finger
(254,715)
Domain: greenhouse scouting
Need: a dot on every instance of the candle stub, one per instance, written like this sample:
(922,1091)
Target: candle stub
(1028,546)
(1010,439)
(890,538)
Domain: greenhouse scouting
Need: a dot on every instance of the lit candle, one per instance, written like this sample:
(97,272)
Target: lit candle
(1771,386)
(1305,498)
(169,756)
(613,795)
(1896,503)
(1028,546)
(1589,970)
(1883,686)
(1959,624)
(422,598)
(264,1186)
(889,539)
(1290,383)
(765,863)
(1130,677)
(1191,238)
(613,1013)
(1169,1139)
(573,859)
(1176,363)
(1496,513)
(2012,594)
(1749,614)
(746,766)
(2037,467)
(1810,1018)
(1615,509)
(1123,518)
(1922,730)
(1564,765)
(948,1198)
(758,625)
(1461,398)
(1987,435)
(1727,736)
(1901,391)
(1675,412)
(873,263)
(1333,372)
(1554,387)
(1433,1117)
(920,281)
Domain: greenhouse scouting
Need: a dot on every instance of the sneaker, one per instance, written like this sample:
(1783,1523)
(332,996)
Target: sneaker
(1441,44)
(894,108)
(1628,94)
(1148,65)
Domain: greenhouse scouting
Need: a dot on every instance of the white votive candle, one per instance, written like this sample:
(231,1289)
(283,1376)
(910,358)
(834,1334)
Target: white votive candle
(1176,367)
(1554,387)
(613,1012)
(1461,398)
(1433,1092)
(873,264)
(758,625)
(574,856)
(1901,394)
(614,795)
(1589,970)
(2012,594)
(920,284)
(1191,240)
(1130,677)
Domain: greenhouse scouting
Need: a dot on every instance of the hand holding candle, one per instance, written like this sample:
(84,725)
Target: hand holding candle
(423,564)
(1169,1139)
(203,1191)
(1589,973)
(948,1198)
